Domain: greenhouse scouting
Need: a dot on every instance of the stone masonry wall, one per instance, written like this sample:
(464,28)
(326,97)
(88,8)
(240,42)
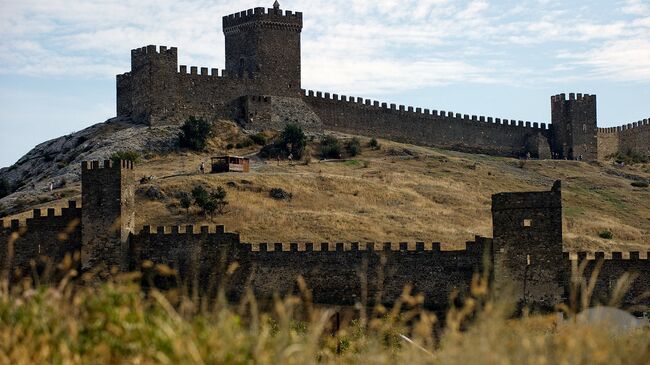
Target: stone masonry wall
(428,127)
(108,217)
(346,274)
(614,266)
(53,234)
(527,229)
(633,136)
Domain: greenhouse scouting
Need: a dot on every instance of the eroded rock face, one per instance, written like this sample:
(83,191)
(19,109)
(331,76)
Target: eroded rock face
(58,161)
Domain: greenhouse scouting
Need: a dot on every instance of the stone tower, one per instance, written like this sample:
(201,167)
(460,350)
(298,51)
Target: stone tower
(574,126)
(264,44)
(528,258)
(107,213)
(149,92)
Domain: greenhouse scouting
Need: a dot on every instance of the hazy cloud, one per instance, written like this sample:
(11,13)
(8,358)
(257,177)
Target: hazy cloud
(352,46)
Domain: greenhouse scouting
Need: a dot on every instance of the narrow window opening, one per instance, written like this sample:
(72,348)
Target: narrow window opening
(528,222)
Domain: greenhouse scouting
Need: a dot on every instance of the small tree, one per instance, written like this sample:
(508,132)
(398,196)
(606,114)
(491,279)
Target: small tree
(330,147)
(293,141)
(186,202)
(5,188)
(194,134)
(132,156)
(219,198)
(200,196)
(374,144)
(353,146)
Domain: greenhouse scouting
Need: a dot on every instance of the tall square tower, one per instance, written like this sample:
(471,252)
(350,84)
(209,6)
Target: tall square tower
(528,259)
(574,127)
(264,44)
(107,213)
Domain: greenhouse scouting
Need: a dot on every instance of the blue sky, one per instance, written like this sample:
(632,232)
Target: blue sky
(486,57)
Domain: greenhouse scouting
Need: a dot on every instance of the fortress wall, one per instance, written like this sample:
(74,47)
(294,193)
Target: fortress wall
(49,233)
(615,265)
(194,253)
(636,137)
(608,142)
(426,127)
(345,274)
(633,136)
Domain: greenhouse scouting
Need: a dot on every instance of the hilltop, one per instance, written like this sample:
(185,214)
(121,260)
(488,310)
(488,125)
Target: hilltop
(400,192)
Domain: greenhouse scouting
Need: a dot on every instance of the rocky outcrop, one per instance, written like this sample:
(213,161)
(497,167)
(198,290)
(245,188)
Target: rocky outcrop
(58,161)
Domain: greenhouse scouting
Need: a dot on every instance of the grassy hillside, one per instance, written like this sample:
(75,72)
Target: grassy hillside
(397,193)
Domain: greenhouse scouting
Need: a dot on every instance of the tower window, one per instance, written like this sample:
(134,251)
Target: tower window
(528,222)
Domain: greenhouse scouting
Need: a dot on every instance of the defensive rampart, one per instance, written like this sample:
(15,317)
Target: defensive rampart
(426,127)
(615,267)
(629,137)
(53,234)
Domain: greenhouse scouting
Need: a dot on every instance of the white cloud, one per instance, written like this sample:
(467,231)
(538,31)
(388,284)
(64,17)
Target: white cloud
(361,45)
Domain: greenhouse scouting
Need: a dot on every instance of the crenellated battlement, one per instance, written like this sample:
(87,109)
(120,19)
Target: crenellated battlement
(418,111)
(471,247)
(640,124)
(264,18)
(182,230)
(108,164)
(154,50)
(573,97)
(40,215)
(581,256)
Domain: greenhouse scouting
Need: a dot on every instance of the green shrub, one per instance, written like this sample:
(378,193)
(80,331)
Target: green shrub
(5,188)
(258,139)
(330,147)
(606,234)
(374,144)
(131,156)
(640,184)
(246,143)
(630,157)
(185,200)
(210,202)
(230,146)
(292,142)
(194,134)
(353,146)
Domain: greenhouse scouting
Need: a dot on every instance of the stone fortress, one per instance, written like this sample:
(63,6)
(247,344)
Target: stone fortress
(524,255)
(261,88)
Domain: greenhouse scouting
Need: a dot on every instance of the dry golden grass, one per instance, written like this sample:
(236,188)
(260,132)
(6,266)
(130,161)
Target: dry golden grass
(117,323)
(386,195)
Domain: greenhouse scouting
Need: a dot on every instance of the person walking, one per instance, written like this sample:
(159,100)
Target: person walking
(202,167)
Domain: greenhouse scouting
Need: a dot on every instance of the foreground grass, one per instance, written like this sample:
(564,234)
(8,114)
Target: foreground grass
(116,323)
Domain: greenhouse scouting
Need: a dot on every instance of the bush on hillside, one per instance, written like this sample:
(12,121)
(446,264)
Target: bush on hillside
(640,184)
(606,234)
(353,146)
(630,157)
(185,200)
(210,202)
(330,147)
(258,139)
(292,141)
(194,134)
(132,156)
(5,188)
(374,144)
